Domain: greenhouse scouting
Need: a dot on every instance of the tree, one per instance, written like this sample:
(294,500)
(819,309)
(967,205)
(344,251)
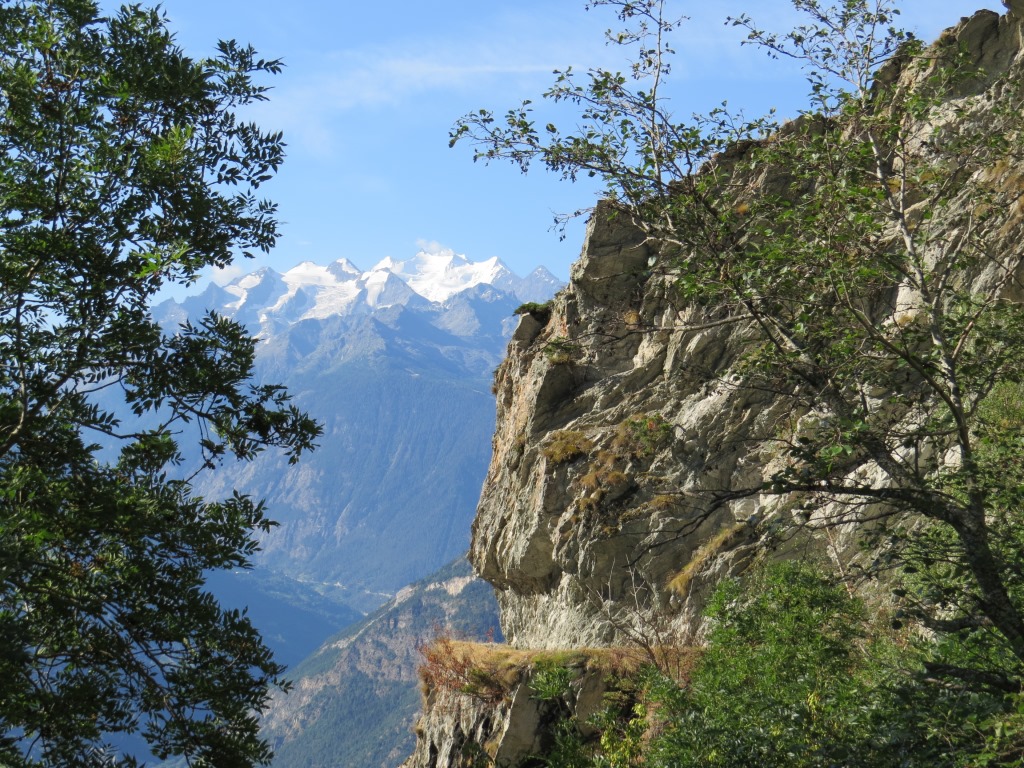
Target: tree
(869,253)
(124,169)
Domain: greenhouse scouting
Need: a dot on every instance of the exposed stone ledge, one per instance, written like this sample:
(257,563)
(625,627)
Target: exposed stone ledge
(497,716)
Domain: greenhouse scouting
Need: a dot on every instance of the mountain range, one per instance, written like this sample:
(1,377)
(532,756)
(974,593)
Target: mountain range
(397,363)
(269,302)
(355,699)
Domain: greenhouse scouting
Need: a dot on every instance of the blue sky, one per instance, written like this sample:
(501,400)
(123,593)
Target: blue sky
(371,89)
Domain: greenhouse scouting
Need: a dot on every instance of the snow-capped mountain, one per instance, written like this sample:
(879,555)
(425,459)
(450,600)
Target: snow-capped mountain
(438,276)
(312,291)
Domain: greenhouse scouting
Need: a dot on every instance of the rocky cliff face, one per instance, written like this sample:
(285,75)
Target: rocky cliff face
(605,415)
(515,716)
(616,416)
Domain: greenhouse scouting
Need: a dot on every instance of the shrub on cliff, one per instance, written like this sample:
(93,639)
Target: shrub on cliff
(795,675)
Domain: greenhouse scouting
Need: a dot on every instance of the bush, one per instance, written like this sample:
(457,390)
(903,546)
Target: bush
(561,351)
(778,679)
(551,680)
(643,435)
(451,666)
(540,311)
(795,675)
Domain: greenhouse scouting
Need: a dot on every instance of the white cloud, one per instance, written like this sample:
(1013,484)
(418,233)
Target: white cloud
(431,246)
(227,274)
(309,106)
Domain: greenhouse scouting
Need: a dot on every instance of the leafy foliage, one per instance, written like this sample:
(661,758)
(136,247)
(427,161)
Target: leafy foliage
(123,168)
(778,669)
(538,310)
(643,434)
(551,681)
(561,351)
(796,675)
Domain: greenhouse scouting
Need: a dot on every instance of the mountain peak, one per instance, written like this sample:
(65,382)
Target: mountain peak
(388,264)
(543,273)
(251,280)
(342,267)
(309,273)
(433,275)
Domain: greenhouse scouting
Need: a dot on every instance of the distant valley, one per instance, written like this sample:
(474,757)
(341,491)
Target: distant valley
(355,700)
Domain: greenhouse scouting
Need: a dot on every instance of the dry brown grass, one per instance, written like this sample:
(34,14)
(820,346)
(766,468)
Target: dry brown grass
(490,672)
(680,583)
(565,445)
